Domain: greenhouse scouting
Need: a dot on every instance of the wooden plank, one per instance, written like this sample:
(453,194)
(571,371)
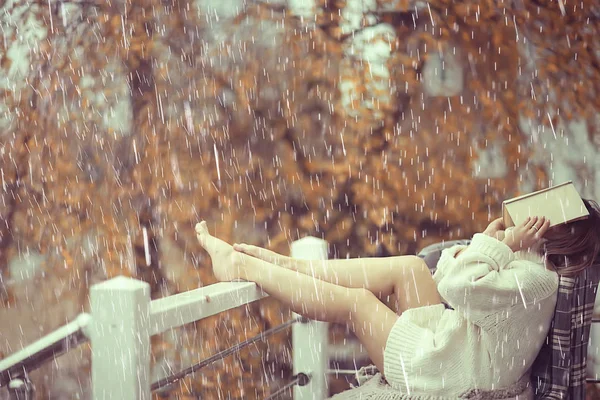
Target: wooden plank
(44,349)
(120,339)
(183,308)
(310,340)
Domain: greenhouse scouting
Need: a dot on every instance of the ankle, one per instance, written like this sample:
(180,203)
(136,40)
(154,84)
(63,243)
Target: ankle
(240,268)
(298,265)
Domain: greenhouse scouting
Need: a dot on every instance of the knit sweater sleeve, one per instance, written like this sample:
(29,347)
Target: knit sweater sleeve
(487,279)
(448,253)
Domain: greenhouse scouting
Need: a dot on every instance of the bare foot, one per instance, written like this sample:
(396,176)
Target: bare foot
(226,262)
(260,253)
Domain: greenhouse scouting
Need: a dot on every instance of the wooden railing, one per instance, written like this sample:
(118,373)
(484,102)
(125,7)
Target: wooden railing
(122,319)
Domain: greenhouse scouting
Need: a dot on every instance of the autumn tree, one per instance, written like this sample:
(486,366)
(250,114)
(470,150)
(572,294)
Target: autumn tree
(380,126)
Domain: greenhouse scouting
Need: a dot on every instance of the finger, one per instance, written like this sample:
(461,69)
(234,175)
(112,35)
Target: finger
(529,222)
(540,222)
(536,229)
(544,228)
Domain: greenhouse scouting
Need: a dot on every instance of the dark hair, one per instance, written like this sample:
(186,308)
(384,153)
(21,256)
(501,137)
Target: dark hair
(573,247)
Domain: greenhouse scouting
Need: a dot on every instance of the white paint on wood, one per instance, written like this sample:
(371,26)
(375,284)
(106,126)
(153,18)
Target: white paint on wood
(120,339)
(39,345)
(310,340)
(183,308)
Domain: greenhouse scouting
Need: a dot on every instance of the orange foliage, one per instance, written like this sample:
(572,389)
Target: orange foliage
(254,139)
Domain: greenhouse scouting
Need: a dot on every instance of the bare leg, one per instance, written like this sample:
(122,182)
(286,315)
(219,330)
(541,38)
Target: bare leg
(369,319)
(406,278)
(308,296)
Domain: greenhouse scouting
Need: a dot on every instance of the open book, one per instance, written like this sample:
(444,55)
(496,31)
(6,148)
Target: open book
(560,204)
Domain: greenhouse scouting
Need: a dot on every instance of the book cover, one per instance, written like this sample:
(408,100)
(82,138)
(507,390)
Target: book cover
(560,204)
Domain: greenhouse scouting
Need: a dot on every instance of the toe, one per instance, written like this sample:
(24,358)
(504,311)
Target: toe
(201,228)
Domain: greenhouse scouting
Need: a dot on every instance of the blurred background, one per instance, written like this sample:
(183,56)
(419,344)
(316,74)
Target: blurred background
(381,126)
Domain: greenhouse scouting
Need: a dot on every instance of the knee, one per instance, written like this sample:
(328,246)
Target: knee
(418,266)
(414,270)
(361,294)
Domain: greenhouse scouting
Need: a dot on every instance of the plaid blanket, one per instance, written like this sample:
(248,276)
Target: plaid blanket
(559,371)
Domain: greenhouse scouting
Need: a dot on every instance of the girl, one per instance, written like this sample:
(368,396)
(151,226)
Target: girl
(477,323)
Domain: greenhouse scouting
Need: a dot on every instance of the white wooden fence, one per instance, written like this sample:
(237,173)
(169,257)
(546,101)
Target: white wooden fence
(123,319)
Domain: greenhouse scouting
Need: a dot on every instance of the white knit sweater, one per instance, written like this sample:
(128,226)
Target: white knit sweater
(503,305)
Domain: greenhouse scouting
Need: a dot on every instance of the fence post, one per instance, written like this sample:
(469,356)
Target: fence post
(120,339)
(309,340)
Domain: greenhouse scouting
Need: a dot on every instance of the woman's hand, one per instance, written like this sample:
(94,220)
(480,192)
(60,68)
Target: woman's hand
(494,227)
(527,233)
